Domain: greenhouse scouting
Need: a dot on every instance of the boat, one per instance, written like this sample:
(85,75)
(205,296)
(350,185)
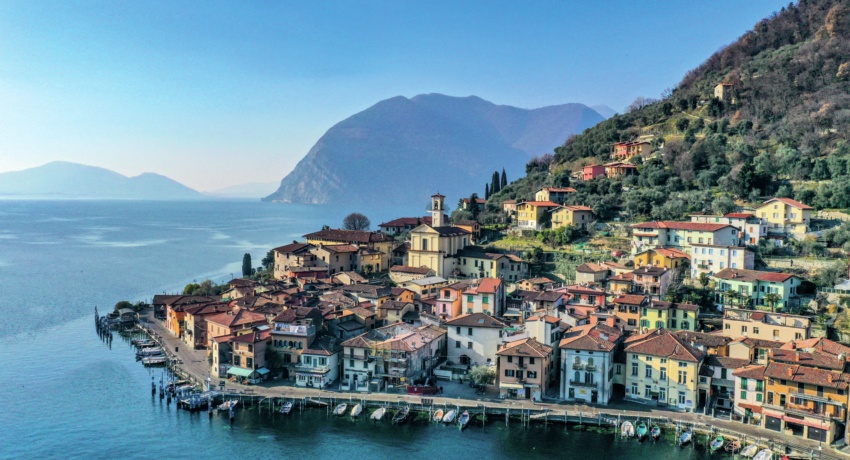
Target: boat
(750,451)
(356,411)
(733,446)
(340,409)
(401,415)
(450,416)
(154,360)
(686,437)
(641,430)
(227,405)
(627,430)
(764,454)
(716,444)
(655,432)
(463,420)
(378,414)
(286,408)
(438,416)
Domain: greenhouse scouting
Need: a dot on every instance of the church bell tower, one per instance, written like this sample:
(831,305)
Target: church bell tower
(437,210)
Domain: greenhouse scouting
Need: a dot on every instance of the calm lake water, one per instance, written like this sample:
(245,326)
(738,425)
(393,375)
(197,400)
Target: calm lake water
(66,394)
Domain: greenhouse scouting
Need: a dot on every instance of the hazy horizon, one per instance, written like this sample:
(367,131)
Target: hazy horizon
(233,93)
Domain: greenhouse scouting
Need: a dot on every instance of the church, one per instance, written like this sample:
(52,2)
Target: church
(435,245)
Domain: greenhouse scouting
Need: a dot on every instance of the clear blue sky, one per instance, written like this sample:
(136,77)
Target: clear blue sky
(220,93)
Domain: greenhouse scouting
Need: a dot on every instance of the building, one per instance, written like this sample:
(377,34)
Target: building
(292,255)
(662,369)
(658,314)
(473,262)
(434,245)
(627,309)
(710,259)
(738,287)
(592,172)
(319,363)
(752,227)
(624,151)
(403,224)
(393,311)
(400,274)
(717,373)
(591,273)
(391,355)
(723,91)
(375,293)
(785,216)
(471,226)
(577,216)
(509,206)
(195,319)
(474,339)
(360,238)
(449,303)
(524,367)
(778,327)
(749,384)
(233,322)
(290,336)
(553,194)
(620,284)
(336,258)
(587,363)
(651,281)
(487,296)
(536,284)
(681,235)
(671,258)
(426,287)
(618,169)
(534,215)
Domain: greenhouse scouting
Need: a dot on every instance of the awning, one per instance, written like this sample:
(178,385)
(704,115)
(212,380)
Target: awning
(512,386)
(798,421)
(241,372)
(262,371)
(756,409)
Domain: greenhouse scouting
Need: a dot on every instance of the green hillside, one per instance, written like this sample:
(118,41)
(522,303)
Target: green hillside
(782,129)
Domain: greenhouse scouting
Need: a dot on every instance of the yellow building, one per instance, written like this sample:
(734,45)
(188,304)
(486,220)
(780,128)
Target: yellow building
(786,216)
(578,216)
(662,369)
(554,194)
(433,246)
(669,315)
(661,257)
(530,214)
(359,238)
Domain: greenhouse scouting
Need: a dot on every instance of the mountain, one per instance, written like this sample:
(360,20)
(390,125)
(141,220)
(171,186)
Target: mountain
(248,190)
(60,179)
(403,150)
(604,110)
(767,115)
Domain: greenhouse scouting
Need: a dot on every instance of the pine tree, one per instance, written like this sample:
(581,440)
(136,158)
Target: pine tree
(504,180)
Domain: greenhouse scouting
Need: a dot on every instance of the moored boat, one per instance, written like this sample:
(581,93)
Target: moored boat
(717,443)
(733,446)
(227,405)
(627,430)
(750,451)
(401,415)
(463,420)
(764,454)
(378,414)
(655,432)
(641,430)
(154,360)
(438,416)
(450,416)
(286,408)
(340,409)
(686,437)
(356,411)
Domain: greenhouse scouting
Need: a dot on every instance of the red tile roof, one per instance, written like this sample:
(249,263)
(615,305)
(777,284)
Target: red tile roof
(630,299)
(662,305)
(693,226)
(560,189)
(591,267)
(407,222)
(295,247)
(348,236)
(739,215)
(738,274)
(525,347)
(789,202)
(541,204)
(750,372)
(476,320)
(488,285)
(414,270)
(807,375)
(665,344)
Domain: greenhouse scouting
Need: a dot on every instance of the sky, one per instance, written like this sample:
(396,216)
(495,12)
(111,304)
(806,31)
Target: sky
(215,94)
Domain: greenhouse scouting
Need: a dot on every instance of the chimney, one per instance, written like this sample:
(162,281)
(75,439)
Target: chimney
(830,377)
(611,321)
(790,372)
(797,355)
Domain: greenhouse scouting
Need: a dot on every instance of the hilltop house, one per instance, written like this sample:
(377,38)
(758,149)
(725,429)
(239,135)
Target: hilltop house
(681,235)
(785,216)
(710,259)
(576,216)
(624,151)
(532,215)
(554,194)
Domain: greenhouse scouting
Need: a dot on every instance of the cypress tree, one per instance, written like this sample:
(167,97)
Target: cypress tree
(246,265)
(504,179)
(486,191)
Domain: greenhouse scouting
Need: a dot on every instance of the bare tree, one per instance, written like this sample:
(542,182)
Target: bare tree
(640,102)
(356,221)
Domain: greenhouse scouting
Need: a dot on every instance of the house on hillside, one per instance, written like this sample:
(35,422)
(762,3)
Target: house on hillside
(554,194)
(592,172)
(740,287)
(624,151)
(577,216)
(532,215)
(786,216)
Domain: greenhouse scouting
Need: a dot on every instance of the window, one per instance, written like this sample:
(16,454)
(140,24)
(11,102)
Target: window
(663,374)
(469,345)
(683,377)
(509,372)
(647,391)
(755,330)
(531,360)
(743,383)
(510,359)
(469,298)
(470,330)
(758,397)
(531,374)
(649,359)
(634,389)
(662,394)
(648,372)
(683,364)
(759,386)
(634,369)
(618,369)
(351,362)
(457,345)
(743,394)
(681,398)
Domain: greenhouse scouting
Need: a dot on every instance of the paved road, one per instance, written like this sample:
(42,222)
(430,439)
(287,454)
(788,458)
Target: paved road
(195,363)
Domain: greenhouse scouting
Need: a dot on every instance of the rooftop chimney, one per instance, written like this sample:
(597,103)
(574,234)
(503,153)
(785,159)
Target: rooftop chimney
(830,377)
(790,372)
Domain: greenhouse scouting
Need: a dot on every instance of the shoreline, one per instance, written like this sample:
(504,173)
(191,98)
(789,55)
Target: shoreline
(192,365)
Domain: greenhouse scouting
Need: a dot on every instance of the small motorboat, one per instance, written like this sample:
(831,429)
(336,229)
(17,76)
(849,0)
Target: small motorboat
(340,409)
(686,437)
(627,430)
(655,432)
(733,446)
(750,451)
(379,413)
(154,360)
(356,411)
(401,415)
(717,443)
(463,420)
(450,416)
(227,405)
(641,430)
(286,408)
(764,454)
(438,416)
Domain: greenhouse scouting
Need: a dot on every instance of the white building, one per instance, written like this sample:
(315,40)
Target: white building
(319,363)
(474,339)
(587,363)
(710,259)
(749,385)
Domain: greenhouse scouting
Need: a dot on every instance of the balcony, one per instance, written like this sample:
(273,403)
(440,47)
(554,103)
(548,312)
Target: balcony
(590,367)
(578,366)
(802,410)
(313,370)
(579,383)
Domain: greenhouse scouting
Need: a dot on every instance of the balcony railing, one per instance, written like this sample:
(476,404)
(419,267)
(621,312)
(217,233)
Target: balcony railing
(579,383)
(806,411)
(578,366)
(590,367)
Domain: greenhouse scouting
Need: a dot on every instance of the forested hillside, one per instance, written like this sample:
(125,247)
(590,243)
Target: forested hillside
(781,130)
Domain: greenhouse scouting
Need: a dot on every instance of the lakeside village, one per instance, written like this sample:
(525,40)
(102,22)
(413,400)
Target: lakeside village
(424,301)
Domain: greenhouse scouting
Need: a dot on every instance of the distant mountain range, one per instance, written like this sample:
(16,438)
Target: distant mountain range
(61,179)
(403,150)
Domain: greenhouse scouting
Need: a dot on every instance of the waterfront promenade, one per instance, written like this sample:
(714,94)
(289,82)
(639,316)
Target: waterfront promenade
(195,364)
